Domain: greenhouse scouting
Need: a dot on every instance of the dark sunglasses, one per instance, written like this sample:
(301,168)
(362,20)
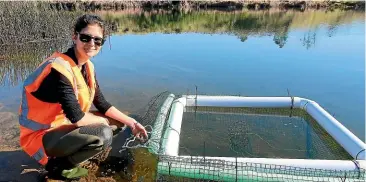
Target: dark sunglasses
(87,38)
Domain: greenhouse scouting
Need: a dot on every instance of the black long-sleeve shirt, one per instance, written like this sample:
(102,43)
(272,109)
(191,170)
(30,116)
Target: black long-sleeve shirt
(56,88)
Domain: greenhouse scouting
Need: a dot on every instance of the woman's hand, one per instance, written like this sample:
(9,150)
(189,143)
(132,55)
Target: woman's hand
(139,131)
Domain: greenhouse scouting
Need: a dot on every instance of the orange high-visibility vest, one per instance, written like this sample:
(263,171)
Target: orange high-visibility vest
(37,117)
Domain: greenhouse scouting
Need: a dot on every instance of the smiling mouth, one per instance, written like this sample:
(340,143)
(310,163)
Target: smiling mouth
(89,50)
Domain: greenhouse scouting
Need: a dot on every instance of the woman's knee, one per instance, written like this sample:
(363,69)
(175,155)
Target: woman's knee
(102,131)
(107,135)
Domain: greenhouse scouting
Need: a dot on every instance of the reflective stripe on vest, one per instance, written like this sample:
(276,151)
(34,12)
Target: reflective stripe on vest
(38,155)
(67,66)
(30,124)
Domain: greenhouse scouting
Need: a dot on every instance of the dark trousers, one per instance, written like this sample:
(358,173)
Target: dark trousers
(77,144)
(80,144)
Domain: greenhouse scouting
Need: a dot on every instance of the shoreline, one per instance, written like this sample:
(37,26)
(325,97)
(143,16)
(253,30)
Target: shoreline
(206,5)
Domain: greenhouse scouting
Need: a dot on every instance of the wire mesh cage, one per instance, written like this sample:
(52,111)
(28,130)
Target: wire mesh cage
(231,143)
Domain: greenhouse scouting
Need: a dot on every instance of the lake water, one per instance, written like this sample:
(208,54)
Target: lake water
(314,54)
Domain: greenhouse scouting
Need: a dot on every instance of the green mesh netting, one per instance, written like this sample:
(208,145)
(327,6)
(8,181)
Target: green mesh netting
(201,169)
(153,117)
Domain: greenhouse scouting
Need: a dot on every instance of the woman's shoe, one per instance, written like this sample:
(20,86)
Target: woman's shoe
(74,173)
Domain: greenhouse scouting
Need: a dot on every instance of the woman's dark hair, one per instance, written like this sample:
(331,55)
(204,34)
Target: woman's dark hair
(86,20)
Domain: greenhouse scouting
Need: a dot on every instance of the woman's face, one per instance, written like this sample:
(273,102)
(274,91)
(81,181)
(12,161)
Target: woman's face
(88,41)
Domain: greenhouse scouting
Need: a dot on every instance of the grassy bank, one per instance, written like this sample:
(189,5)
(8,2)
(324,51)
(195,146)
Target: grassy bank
(224,5)
(240,23)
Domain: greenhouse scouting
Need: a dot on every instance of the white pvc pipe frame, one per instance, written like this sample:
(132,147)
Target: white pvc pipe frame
(353,145)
